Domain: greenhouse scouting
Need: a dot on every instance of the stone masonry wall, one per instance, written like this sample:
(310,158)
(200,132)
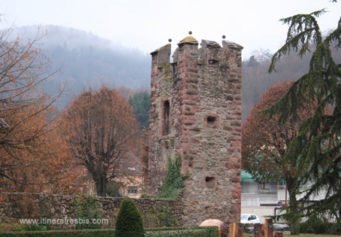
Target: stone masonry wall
(211,147)
(161,91)
(15,206)
(204,90)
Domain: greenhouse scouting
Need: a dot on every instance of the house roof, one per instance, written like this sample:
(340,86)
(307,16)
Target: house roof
(246,176)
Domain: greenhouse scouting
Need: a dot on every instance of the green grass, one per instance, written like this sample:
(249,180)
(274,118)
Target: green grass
(310,235)
(4,227)
(287,234)
(164,232)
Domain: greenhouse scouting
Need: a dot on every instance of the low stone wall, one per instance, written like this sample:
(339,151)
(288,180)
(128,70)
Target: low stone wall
(16,206)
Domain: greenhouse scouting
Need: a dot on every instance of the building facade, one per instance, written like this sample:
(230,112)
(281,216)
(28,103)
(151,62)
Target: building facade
(262,199)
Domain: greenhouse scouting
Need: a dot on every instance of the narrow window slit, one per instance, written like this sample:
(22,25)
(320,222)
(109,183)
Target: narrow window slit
(166,122)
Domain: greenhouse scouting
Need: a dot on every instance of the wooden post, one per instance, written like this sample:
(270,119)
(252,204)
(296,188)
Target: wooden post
(268,228)
(234,230)
(278,234)
(258,230)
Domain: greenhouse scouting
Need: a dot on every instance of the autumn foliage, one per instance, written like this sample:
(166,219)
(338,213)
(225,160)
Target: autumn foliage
(100,129)
(41,165)
(34,158)
(42,153)
(265,143)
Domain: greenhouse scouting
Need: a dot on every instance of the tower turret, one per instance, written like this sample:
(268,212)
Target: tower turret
(196,115)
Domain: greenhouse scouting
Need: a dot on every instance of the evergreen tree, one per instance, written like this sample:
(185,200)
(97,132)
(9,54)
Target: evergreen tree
(264,147)
(318,143)
(140,102)
(129,221)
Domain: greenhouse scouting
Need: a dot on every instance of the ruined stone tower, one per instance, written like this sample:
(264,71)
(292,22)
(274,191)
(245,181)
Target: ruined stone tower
(196,115)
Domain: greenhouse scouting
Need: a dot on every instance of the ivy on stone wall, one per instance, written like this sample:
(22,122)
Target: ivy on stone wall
(174,181)
(86,211)
(165,218)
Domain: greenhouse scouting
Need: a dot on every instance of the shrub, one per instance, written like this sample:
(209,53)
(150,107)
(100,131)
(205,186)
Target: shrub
(35,227)
(176,232)
(6,227)
(314,225)
(68,233)
(86,209)
(174,181)
(317,225)
(129,221)
(335,228)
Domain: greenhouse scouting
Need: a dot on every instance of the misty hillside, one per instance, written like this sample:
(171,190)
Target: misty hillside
(82,60)
(256,79)
(50,35)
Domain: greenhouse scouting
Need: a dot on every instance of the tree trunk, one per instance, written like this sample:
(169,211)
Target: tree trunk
(101,185)
(293,212)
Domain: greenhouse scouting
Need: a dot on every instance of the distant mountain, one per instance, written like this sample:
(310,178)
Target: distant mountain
(52,35)
(82,60)
(257,79)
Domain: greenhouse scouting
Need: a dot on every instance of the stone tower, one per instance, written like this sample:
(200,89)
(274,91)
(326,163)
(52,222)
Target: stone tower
(196,115)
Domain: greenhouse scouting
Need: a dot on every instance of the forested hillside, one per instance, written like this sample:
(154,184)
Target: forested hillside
(256,79)
(82,60)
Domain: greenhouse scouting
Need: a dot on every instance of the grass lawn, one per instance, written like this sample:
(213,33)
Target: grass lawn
(287,234)
(310,235)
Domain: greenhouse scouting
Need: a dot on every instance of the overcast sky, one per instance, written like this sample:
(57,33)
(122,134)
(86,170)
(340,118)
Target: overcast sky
(147,24)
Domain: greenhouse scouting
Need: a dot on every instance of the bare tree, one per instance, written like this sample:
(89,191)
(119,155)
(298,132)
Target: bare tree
(22,71)
(100,128)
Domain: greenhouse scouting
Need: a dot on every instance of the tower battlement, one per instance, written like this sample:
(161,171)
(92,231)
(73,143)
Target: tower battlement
(196,114)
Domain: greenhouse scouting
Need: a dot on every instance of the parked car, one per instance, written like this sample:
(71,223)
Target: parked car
(249,219)
(281,226)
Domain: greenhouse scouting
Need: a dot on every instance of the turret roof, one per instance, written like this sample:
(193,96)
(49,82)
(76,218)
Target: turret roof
(188,40)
